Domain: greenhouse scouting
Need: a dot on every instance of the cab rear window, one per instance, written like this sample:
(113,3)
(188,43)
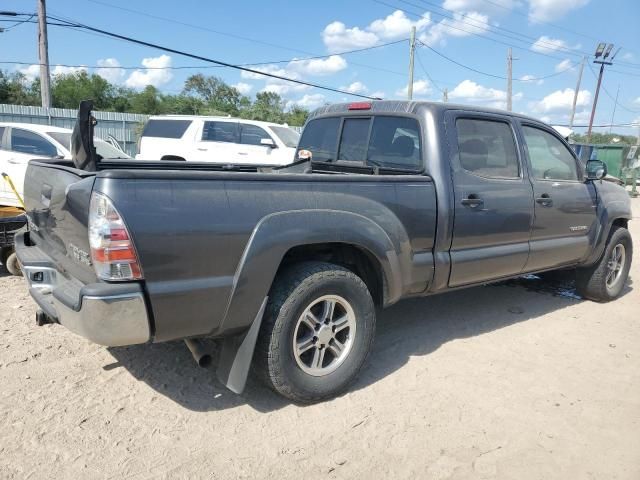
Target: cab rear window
(382,141)
(166,128)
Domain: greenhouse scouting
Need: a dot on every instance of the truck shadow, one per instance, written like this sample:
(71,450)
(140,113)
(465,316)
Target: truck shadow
(411,328)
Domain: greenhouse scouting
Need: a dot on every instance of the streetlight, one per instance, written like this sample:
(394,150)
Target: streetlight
(602,50)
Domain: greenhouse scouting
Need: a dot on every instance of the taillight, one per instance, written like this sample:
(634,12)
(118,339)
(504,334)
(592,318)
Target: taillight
(113,254)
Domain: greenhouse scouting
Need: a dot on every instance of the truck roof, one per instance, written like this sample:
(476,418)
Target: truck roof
(407,106)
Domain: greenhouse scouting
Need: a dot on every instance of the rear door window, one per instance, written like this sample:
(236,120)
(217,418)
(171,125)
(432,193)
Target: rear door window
(487,148)
(166,128)
(220,132)
(252,134)
(24,141)
(320,137)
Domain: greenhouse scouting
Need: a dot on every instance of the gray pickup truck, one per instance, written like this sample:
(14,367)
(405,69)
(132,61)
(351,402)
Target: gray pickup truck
(287,266)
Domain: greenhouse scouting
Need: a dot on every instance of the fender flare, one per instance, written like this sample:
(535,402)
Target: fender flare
(277,233)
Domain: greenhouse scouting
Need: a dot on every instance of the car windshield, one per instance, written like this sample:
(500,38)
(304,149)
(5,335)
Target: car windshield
(104,149)
(289,137)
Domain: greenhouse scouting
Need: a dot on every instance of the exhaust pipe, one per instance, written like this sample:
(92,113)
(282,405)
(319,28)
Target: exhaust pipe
(43,319)
(202,357)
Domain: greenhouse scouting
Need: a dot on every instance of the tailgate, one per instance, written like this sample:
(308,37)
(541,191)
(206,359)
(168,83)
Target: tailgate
(57,199)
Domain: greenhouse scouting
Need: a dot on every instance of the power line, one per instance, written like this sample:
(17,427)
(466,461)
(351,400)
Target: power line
(532,79)
(217,62)
(615,101)
(6,29)
(228,34)
(139,67)
(427,73)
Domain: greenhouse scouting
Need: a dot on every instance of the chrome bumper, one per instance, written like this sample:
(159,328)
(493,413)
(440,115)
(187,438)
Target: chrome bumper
(107,314)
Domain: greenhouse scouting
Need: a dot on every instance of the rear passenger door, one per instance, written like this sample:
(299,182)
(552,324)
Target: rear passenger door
(493,199)
(565,205)
(217,142)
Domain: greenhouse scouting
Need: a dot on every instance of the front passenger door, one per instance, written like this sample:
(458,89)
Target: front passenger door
(565,205)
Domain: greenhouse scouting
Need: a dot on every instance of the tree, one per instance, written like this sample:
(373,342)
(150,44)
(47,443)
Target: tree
(67,90)
(605,138)
(297,116)
(268,107)
(148,101)
(213,92)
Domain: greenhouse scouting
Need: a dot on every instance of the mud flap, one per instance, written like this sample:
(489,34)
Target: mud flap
(236,355)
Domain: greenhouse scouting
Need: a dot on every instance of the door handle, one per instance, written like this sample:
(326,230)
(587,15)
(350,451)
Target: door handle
(472,201)
(203,149)
(545,200)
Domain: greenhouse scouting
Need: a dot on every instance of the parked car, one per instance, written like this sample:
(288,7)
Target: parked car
(218,140)
(21,142)
(396,200)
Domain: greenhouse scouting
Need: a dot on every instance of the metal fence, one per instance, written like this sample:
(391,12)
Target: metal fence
(124,127)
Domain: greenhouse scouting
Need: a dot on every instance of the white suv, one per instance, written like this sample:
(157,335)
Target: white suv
(217,140)
(21,142)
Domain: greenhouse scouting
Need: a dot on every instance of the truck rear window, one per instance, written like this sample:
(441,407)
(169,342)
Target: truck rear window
(382,140)
(166,128)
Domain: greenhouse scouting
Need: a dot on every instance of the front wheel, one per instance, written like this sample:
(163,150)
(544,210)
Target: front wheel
(605,280)
(317,332)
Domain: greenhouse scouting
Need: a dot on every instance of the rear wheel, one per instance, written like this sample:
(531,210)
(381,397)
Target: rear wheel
(317,331)
(605,280)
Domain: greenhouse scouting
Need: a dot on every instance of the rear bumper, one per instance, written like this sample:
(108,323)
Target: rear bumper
(107,314)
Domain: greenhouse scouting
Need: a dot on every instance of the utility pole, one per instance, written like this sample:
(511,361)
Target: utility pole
(43,50)
(575,93)
(509,78)
(615,104)
(445,95)
(603,50)
(412,51)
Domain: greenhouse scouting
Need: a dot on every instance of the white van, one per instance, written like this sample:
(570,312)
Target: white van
(217,140)
(21,142)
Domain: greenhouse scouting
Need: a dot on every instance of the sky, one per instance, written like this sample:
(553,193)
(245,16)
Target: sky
(462,47)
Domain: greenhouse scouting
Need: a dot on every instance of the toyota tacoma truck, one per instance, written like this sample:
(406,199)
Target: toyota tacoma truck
(288,266)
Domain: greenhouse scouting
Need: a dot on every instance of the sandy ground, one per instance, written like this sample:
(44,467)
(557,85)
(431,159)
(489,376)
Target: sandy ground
(516,381)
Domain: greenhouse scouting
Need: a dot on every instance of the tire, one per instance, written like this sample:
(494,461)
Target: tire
(310,288)
(596,282)
(13,265)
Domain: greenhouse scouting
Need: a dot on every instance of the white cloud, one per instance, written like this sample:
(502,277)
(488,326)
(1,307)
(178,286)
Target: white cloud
(31,72)
(154,74)
(64,70)
(462,25)
(420,88)
(546,44)
(637,100)
(355,87)
(338,37)
(627,56)
(378,94)
(398,25)
(310,101)
(110,70)
(532,78)
(550,10)
(561,100)
(564,65)
(281,87)
(319,66)
(243,88)
(471,92)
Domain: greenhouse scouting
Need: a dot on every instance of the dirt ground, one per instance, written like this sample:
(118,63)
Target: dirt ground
(521,380)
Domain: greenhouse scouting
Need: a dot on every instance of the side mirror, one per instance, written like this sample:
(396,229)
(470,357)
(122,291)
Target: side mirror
(596,170)
(268,142)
